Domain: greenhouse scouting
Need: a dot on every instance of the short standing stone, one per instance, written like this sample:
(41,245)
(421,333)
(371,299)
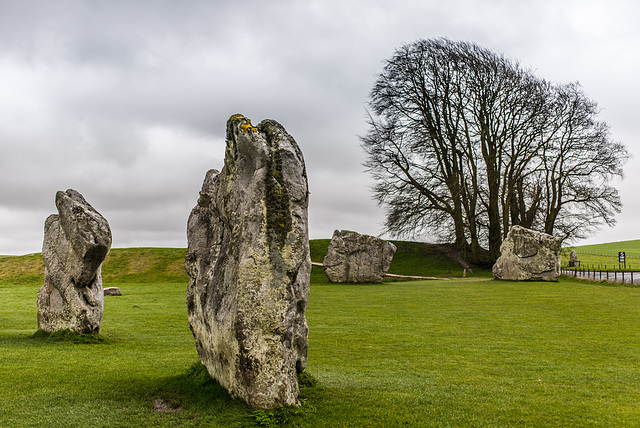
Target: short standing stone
(352,257)
(249,265)
(573,258)
(528,255)
(112,291)
(76,241)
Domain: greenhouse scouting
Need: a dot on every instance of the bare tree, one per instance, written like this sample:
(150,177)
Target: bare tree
(580,160)
(464,143)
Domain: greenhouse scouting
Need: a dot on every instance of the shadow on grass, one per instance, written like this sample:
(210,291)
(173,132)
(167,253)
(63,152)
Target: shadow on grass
(67,335)
(196,392)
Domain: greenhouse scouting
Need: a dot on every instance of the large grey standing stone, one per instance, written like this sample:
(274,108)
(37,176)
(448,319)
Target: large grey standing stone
(76,242)
(352,257)
(249,266)
(528,255)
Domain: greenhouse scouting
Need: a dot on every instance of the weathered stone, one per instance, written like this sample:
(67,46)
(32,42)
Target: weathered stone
(76,241)
(352,257)
(249,265)
(528,255)
(573,258)
(112,291)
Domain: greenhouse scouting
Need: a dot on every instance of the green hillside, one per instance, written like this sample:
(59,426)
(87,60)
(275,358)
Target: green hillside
(27,269)
(631,248)
(153,265)
(122,265)
(605,256)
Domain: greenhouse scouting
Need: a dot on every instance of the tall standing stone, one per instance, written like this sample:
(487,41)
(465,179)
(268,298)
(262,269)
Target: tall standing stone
(354,257)
(76,242)
(528,255)
(249,265)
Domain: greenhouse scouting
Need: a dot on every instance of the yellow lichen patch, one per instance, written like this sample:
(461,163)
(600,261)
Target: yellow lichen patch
(246,125)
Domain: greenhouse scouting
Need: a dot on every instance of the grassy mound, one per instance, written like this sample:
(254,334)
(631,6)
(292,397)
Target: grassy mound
(122,265)
(27,269)
(154,265)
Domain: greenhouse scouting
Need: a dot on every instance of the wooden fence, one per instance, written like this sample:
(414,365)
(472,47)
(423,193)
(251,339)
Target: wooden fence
(624,277)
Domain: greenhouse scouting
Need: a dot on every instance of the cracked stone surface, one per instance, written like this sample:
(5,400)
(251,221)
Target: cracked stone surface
(353,257)
(528,255)
(249,266)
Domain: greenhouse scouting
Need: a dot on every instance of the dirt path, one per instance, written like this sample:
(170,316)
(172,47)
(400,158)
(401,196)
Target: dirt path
(391,275)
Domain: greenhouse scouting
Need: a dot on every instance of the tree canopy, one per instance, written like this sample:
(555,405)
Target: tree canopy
(463,143)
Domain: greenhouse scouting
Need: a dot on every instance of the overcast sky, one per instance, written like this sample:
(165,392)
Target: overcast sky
(127,101)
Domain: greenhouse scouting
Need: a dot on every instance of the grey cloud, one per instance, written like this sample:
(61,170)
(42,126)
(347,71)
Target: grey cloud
(127,101)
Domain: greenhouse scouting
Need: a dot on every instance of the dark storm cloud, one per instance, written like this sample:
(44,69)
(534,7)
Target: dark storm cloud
(127,101)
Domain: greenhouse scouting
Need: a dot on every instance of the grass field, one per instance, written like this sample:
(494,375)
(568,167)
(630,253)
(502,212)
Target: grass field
(605,256)
(458,352)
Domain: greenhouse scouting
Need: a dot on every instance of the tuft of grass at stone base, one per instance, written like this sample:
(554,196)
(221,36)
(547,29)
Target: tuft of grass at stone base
(67,335)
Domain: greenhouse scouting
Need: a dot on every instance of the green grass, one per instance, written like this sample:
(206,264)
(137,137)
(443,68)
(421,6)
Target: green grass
(477,352)
(460,352)
(605,256)
(632,248)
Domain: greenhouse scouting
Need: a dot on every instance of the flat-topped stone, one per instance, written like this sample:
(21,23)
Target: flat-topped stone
(112,291)
(528,255)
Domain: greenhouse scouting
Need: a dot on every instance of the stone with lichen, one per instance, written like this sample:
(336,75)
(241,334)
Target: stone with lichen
(76,242)
(528,255)
(249,265)
(354,257)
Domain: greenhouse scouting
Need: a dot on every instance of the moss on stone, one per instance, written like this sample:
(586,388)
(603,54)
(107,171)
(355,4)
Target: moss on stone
(279,221)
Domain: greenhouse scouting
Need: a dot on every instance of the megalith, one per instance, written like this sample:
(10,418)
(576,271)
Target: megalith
(528,255)
(76,242)
(353,257)
(573,259)
(249,265)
